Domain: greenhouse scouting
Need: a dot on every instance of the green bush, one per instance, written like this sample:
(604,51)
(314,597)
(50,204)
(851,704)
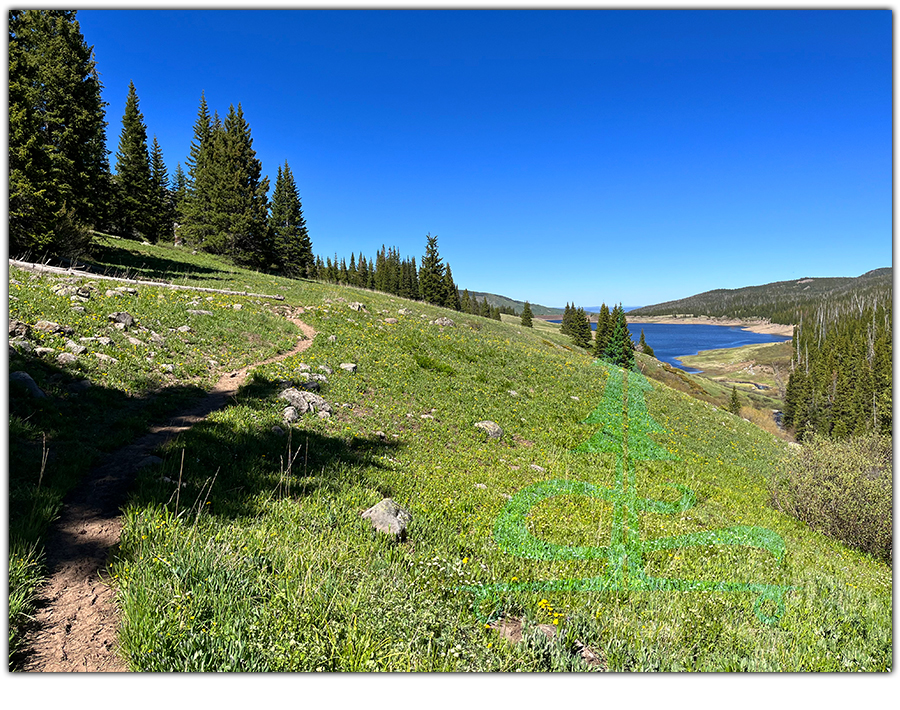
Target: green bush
(843,488)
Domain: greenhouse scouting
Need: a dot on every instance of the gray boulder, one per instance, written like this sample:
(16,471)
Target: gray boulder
(48,326)
(356,306)
(327,370)
(125,319)
(305,402)
(492,429)
(18,328)
(74,347)
(443,321)
(348,366)
(21,345)
(105,358)
(391,321)
(388,517)
(24,379)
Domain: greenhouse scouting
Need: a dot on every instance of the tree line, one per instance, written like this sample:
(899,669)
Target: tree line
(611,342)
(62,188)
(841,370)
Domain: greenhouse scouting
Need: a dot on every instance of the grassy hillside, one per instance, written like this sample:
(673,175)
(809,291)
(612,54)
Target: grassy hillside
(644,546)
(494,300)
(780,302)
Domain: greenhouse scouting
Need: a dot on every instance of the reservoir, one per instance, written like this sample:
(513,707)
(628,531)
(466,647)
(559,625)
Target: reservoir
(673,340)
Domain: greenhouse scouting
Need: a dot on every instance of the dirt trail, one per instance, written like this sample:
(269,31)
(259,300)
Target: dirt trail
(76,622)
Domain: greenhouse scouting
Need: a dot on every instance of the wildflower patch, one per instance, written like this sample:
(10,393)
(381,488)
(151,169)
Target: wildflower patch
(625,432)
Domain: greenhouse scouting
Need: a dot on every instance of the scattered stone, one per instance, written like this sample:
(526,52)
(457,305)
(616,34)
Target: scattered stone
(381,435)
(114,292)
(18,328)
(135,341)
(426,416)
(327,370)
(514,468)
(356,306)
(105,358)
(106,341)
(237,306)
(48,326)
(575,398)
(794,445)
(24,379)
(512,393)
(310,385)
(122,317)
(157,338)
(167,367)
(21,345)
(305,402)
(74,347)
(348,366)
(535,467)
(391,320)
(213,363)
(481,486)
(319,378)
(303,367)
(492,429)
(195,312)
(405,312)
(78,309)
(80,385)
(64,290)
(388,517)
(443,321)
(323,414)
(44,351)
(79,299)
(183,329)
(332,338)
(290,414)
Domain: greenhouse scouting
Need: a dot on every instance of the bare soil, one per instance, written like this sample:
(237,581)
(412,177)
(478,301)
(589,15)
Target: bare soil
(76,624)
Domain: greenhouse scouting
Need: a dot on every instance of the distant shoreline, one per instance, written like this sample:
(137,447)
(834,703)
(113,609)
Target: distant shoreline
(754,326)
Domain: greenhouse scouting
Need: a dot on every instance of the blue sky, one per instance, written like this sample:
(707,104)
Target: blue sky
(560,156)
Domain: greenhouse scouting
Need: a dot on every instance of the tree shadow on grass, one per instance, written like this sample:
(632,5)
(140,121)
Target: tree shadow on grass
(117,261)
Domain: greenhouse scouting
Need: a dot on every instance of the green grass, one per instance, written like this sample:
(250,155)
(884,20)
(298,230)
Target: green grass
(262,561)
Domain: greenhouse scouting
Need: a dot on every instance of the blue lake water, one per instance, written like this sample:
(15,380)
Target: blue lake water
(673,340)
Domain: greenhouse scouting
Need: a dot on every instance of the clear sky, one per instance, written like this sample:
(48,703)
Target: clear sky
(560,156)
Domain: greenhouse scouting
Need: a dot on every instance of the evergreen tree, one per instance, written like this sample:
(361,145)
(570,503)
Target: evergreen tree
(58,168)
(566,326)
(363,270)
(604,330)
(197,207)
(431,274)
(163,206)
(466,302)
(484,309)
(735,405)
(620,348)
(527,315)
(580,328)
(646,349)
(179,193)
(134,195)
(451,292)
(290,243)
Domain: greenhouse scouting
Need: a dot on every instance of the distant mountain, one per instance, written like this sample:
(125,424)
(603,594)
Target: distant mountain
(495,300)
(781,301)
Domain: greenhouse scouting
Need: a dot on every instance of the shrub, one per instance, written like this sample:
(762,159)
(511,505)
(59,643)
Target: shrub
(842,488)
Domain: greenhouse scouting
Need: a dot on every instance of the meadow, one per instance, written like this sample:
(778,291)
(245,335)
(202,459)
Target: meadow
(261,561)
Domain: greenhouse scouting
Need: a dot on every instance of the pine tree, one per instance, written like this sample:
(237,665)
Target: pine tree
(527,315)
(566,326)
(484,309)
(620,348)
(604,330)
(162,213)
(179,194)
(197,207)
(451,292)
(431,274)
(646,349)
(580,328)
(735,405)
(290,243)
(58,168)
(134,196)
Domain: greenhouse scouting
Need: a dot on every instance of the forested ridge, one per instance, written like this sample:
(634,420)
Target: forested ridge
(779,302)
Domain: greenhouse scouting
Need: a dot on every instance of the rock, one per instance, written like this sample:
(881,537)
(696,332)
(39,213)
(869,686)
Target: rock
(332,338)
(348,366)
(106,341)
(303,367)
(44,351)
(24,379)
(356,306)
(405,312)
(135,341)
(195,312)
(157,338)
(443,321)
(114,292)
(167,367)
(323,414)
(78,299)
(305,401)
(237,306)
(512,393)
(120,326)
(122,317)
(21,345)
(183,329)
(391,320)
(319,378)
(327,370)
(388,517)
(426,416)
(481,486)
(105,358)
(290,414)
(18,328)
(78,309)
(381,435)
(277,430)
(310,385)
(80,386)
(64,290)
(48,326)
(492,429)
(74,347)
(575,398)
(535,467)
